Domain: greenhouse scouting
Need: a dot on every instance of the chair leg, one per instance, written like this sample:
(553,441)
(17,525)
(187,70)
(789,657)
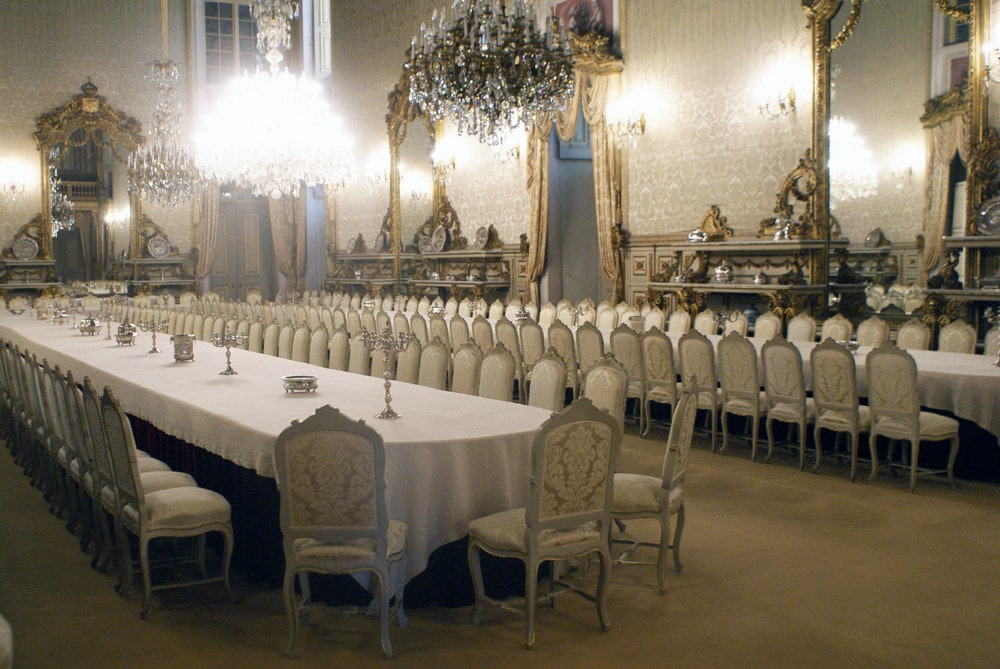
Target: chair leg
(226,560)
(288,594)
(873,451)
(477,582)
(952,452)
(769,426)
(661,558)
(530,599)
(914,452)
(147,579)
(801,429)
(384,614)
(602,590)
(644,430)
(675,545)
(715,420)
(755,426)
(725,434)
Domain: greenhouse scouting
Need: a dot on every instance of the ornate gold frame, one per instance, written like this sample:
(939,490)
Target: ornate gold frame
(104,125)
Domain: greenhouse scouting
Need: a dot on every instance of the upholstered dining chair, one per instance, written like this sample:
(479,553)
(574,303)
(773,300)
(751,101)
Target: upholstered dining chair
(836,327)
(679,322)
(437,326)
(654,318)
(705,322)
(766,326)
(532,344)
(606,386)
(400,323)
(606,318)
(589,346)
(451,306)
(359,358)
(434,365)
(255,341)
(482,333)
(802,327)
(991,342)
(785,390)
(300,344)
(466,365)
(418,327)
(458,330)
(659,497)
(176,513)
(626,345)
(547,386)
(465,308)
(740,386)
(737,322)
(957,337)
(561,339)
(661,378)
(408,362)
(340,349)
(697,359)
(330,472)
(894,400)
(834,384)
(271,339)
(568,513)
(872,332)
(506,334)
(285,337)
(547,314)
(319,341)
(913,335)
(497,374)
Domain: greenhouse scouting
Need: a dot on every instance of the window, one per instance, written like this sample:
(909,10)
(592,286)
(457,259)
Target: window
(230,41)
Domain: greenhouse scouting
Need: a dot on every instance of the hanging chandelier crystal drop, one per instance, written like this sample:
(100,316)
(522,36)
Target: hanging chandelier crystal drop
(162,171)
(490,68)
(272,132)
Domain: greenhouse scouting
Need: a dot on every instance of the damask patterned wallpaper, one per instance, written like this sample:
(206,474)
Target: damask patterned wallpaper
(705,142)
(52,47)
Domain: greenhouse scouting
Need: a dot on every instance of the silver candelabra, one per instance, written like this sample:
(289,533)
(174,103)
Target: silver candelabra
(388,344)
(992,316)
(228,339)
(154,327)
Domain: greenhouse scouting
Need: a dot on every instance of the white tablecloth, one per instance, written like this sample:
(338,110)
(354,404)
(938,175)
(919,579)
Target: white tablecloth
(450,459)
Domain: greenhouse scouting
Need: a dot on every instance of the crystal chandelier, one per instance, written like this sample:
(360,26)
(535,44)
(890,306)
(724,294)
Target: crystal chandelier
(162,171)
(272,132)
(490,68)
(853,173)
(61,208)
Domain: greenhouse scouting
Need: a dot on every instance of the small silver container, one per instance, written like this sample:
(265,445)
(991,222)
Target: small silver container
(183,347)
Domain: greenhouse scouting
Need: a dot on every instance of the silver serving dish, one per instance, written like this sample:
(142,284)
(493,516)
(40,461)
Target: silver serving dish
(89,326)
(851,346)
(299,383)
(125,335)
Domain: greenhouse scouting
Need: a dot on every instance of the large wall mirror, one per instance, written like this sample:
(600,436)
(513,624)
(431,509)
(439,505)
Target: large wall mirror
(884,61)
(84,148)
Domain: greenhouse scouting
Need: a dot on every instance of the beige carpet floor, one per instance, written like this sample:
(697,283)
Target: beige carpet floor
(781,569)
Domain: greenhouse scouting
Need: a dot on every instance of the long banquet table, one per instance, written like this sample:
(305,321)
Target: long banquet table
(450,459)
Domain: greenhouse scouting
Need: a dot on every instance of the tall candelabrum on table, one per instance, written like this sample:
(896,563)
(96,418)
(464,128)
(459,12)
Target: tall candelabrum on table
(388,344)
(228,339)
(154,327)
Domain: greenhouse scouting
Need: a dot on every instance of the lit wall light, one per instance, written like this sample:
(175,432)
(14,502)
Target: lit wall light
(443,161)
(13,180)
(625,117)
(117,218)
(377,168)
(991,59)
(778,105)
(508,150)
(903,163)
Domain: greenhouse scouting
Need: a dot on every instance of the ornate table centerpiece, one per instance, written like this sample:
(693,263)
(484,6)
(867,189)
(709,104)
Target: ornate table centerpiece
(388,344)
(154,327)
(227,340)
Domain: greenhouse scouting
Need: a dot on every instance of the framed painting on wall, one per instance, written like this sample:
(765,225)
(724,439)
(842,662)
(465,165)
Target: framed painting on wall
(584,17)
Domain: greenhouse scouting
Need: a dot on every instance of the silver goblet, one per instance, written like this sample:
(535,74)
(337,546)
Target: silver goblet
(388,344)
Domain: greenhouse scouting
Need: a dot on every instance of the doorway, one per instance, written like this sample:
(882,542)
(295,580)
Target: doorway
(243,253)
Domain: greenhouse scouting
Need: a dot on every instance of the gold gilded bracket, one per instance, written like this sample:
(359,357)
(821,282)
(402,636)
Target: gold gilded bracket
(713,224)
(800,184)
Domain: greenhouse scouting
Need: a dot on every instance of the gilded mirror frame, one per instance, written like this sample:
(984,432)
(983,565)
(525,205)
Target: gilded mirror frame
(984,146)
(103,124)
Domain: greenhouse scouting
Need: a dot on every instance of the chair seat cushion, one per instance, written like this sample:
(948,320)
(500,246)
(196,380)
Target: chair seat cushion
(505,531)
(932,426)
(358,549)
(180,509)
(634,389)
(148,464)
(160,480)
(705,398)
(787,412)
(841,420)
(744,406)
(638,493)
(661,395)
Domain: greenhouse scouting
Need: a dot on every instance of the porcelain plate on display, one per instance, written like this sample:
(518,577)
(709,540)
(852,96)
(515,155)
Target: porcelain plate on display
(482,236)
(380,243)
(439,238)
(425,244)
(24,248)
(989,218)
(158,247)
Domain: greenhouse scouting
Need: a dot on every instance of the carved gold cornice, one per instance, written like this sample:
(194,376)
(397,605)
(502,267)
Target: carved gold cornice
(946,8)
(849,27)
(592,54)
(713,224)
(90,112)
(947,106)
